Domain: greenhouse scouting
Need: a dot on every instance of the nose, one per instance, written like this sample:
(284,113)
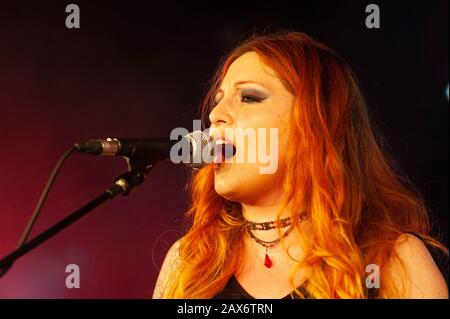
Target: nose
(220,115)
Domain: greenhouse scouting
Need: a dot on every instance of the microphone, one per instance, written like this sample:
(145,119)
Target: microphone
(193,149)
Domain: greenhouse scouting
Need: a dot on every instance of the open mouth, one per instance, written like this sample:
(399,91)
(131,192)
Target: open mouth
(223,150)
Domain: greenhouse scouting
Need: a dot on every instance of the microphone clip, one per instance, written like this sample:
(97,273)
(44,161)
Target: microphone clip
(138,169)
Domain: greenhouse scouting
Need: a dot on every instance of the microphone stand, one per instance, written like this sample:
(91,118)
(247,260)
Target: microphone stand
(138,169)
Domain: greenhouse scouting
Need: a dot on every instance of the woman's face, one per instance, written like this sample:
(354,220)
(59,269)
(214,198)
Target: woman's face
(251,100)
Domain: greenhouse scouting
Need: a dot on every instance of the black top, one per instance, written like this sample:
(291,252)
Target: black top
(233,290)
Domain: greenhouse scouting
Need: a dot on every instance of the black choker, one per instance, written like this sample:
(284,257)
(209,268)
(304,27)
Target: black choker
(282,223)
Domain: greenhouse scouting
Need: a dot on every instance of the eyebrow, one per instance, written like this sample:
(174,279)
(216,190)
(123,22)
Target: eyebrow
(245,82)
(237,83)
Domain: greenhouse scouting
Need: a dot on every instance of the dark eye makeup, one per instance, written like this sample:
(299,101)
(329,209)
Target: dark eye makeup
(252,96)
(246,95)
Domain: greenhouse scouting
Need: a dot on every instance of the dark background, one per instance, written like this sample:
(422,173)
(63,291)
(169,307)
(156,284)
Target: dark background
(137,69)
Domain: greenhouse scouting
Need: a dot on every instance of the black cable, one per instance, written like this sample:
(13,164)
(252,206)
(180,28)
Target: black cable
(41,202)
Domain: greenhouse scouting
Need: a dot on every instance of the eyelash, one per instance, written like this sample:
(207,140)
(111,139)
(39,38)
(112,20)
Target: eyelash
(246,98)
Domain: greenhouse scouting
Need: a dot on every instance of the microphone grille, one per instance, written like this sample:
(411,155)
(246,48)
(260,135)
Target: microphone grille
(199,141)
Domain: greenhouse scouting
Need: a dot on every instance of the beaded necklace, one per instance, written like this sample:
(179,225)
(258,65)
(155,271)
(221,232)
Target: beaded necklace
(282,223)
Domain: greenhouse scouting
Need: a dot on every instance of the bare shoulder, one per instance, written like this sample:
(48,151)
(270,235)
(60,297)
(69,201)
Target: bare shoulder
(421,274)
(170,263)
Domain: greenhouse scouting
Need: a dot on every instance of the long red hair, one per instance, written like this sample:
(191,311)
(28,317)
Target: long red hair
(358,205)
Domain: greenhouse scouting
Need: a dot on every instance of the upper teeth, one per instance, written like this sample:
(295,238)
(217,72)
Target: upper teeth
(221,142)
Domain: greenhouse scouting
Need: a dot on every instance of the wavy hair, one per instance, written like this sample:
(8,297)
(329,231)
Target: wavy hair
(357,202)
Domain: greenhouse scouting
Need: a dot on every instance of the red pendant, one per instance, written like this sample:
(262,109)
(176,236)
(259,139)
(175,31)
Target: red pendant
(267,261)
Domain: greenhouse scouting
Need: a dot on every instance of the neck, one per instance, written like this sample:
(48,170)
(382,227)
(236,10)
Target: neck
(263,213)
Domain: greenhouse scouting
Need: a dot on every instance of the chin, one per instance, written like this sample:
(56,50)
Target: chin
(230,184)
(223,191)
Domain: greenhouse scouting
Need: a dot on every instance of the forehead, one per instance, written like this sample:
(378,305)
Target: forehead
(249,67)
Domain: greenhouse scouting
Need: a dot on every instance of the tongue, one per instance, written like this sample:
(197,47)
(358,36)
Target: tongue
(222,154)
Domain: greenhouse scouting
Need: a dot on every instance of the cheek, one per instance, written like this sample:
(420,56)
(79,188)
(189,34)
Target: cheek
(283,125)
(270,123)
(278,139)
